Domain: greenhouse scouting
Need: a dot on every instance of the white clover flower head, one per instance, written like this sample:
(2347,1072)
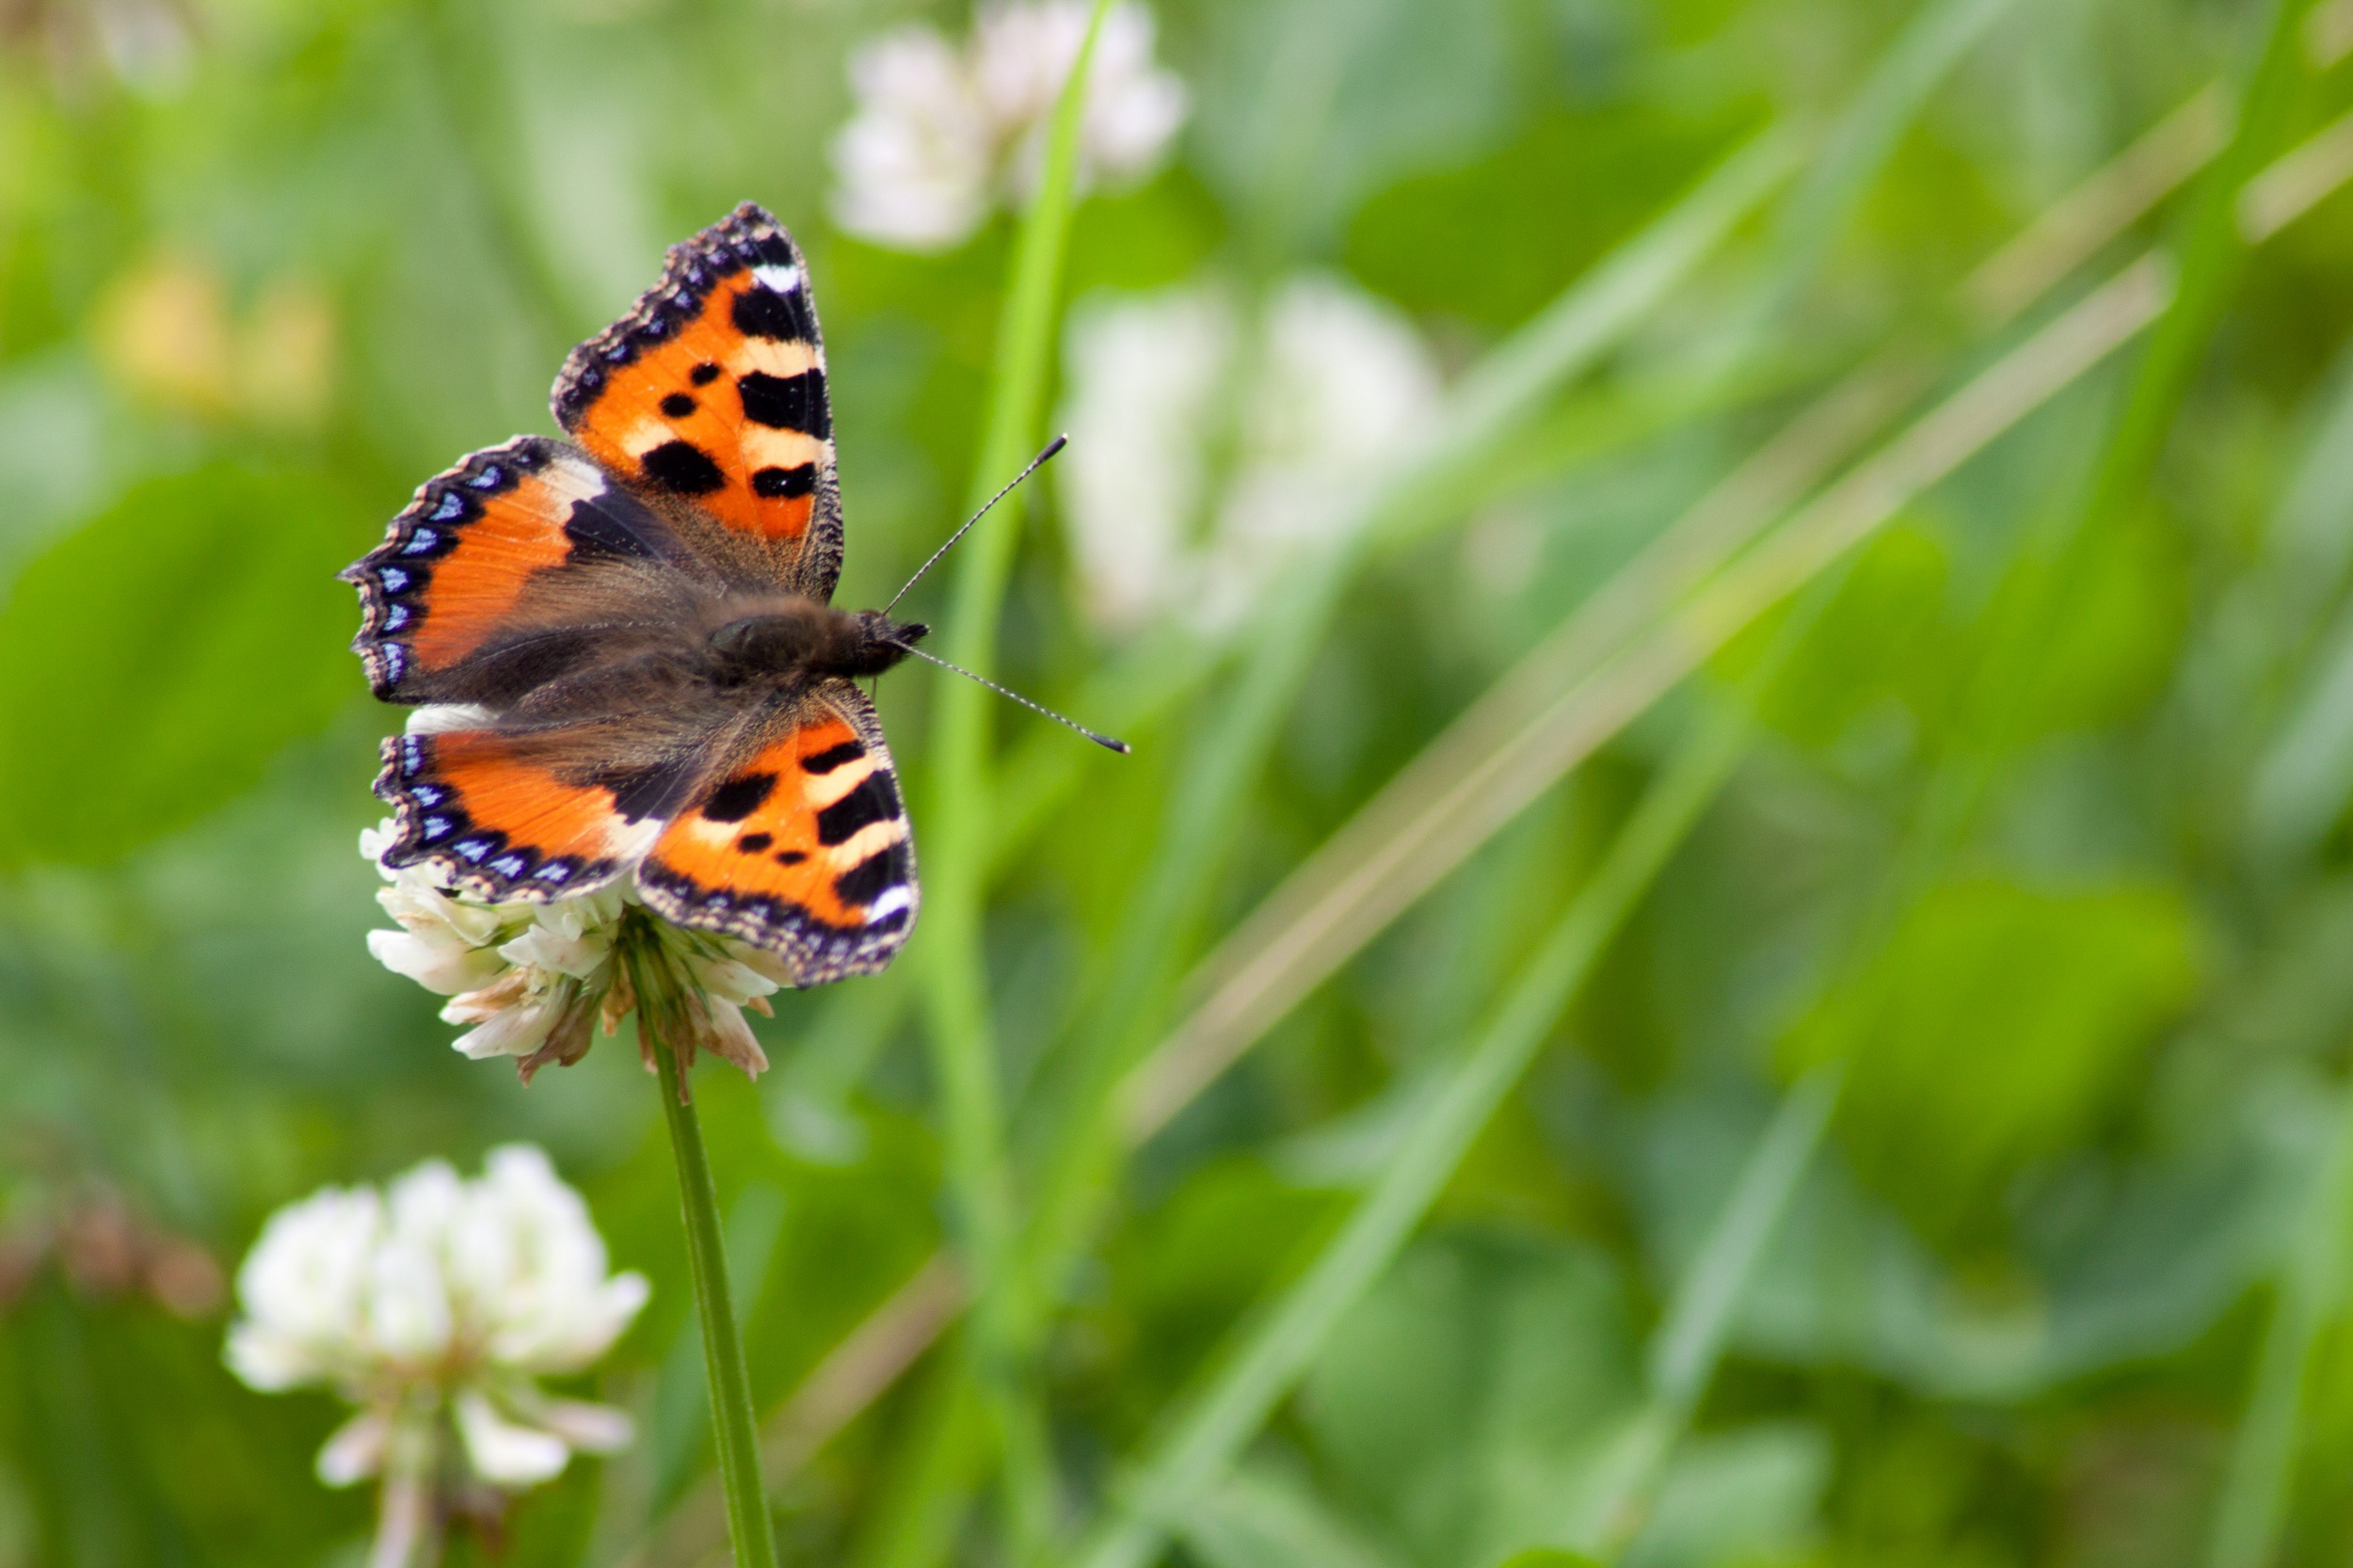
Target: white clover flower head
(438,1303)
(944,132)
(913,166)
(530,979)
(1306,399)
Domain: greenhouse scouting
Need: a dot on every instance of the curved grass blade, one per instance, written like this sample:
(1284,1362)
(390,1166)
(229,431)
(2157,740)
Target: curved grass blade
(2249,1516)
(1938,36)
(1689,1344)
(963,1052)
(2127,189)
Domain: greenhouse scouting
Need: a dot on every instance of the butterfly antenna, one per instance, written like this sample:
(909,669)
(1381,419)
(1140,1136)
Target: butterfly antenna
(1104,741)
(1035,463)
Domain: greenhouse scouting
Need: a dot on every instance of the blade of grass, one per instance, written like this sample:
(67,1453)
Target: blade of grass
(1596,312)
(1690,1337)
(2122,192)
(1689,1344)
(1211,1429)
(2248,1516)
(1890,99)
(964,1053)
(2209,259)
(2296,182)
(2328,33)
(1958,428)
(2312,1282)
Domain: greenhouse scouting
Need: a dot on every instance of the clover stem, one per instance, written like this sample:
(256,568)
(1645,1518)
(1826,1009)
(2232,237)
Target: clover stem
(660,1014)
(408,1513)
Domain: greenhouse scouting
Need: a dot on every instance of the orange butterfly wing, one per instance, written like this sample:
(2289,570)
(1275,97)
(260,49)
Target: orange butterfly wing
(450,585)
(803,848)
(712,388)
(505,816)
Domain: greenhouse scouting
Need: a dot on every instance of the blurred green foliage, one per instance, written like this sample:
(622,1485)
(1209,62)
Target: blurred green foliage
(2037,840)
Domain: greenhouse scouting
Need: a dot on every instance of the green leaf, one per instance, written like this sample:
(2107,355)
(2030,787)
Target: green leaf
(153,661)
(1547,1557)
(1746,1495)
(1615,159)
(2107,653)
(1265,1517)
(1466,1398)
(1991,1031)
(1876,642)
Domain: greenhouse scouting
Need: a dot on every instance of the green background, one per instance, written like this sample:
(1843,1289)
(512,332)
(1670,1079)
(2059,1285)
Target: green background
(2033,845)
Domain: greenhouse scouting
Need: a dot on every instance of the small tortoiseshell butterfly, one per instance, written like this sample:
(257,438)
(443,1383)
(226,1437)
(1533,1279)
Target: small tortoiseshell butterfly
(626,646)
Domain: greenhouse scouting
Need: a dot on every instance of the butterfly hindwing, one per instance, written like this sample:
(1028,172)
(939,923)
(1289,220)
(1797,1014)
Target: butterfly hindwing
(713,389)
(803,847)
(532,814)
(467,569)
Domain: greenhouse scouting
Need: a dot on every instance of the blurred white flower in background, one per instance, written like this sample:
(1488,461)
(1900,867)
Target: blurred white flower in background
(1205,459)
(532,978)
(433,1306)
(944,132)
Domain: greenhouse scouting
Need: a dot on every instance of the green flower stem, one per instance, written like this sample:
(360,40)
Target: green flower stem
(957,828)
(733,1422)
(408,1519)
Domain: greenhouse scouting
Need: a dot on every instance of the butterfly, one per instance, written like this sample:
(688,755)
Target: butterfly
(622,646)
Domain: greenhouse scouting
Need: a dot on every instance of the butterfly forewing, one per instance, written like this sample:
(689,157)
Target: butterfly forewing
(498,552)
(713,389)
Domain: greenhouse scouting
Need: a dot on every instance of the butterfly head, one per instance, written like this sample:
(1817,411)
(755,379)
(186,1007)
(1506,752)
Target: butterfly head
(885,641)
